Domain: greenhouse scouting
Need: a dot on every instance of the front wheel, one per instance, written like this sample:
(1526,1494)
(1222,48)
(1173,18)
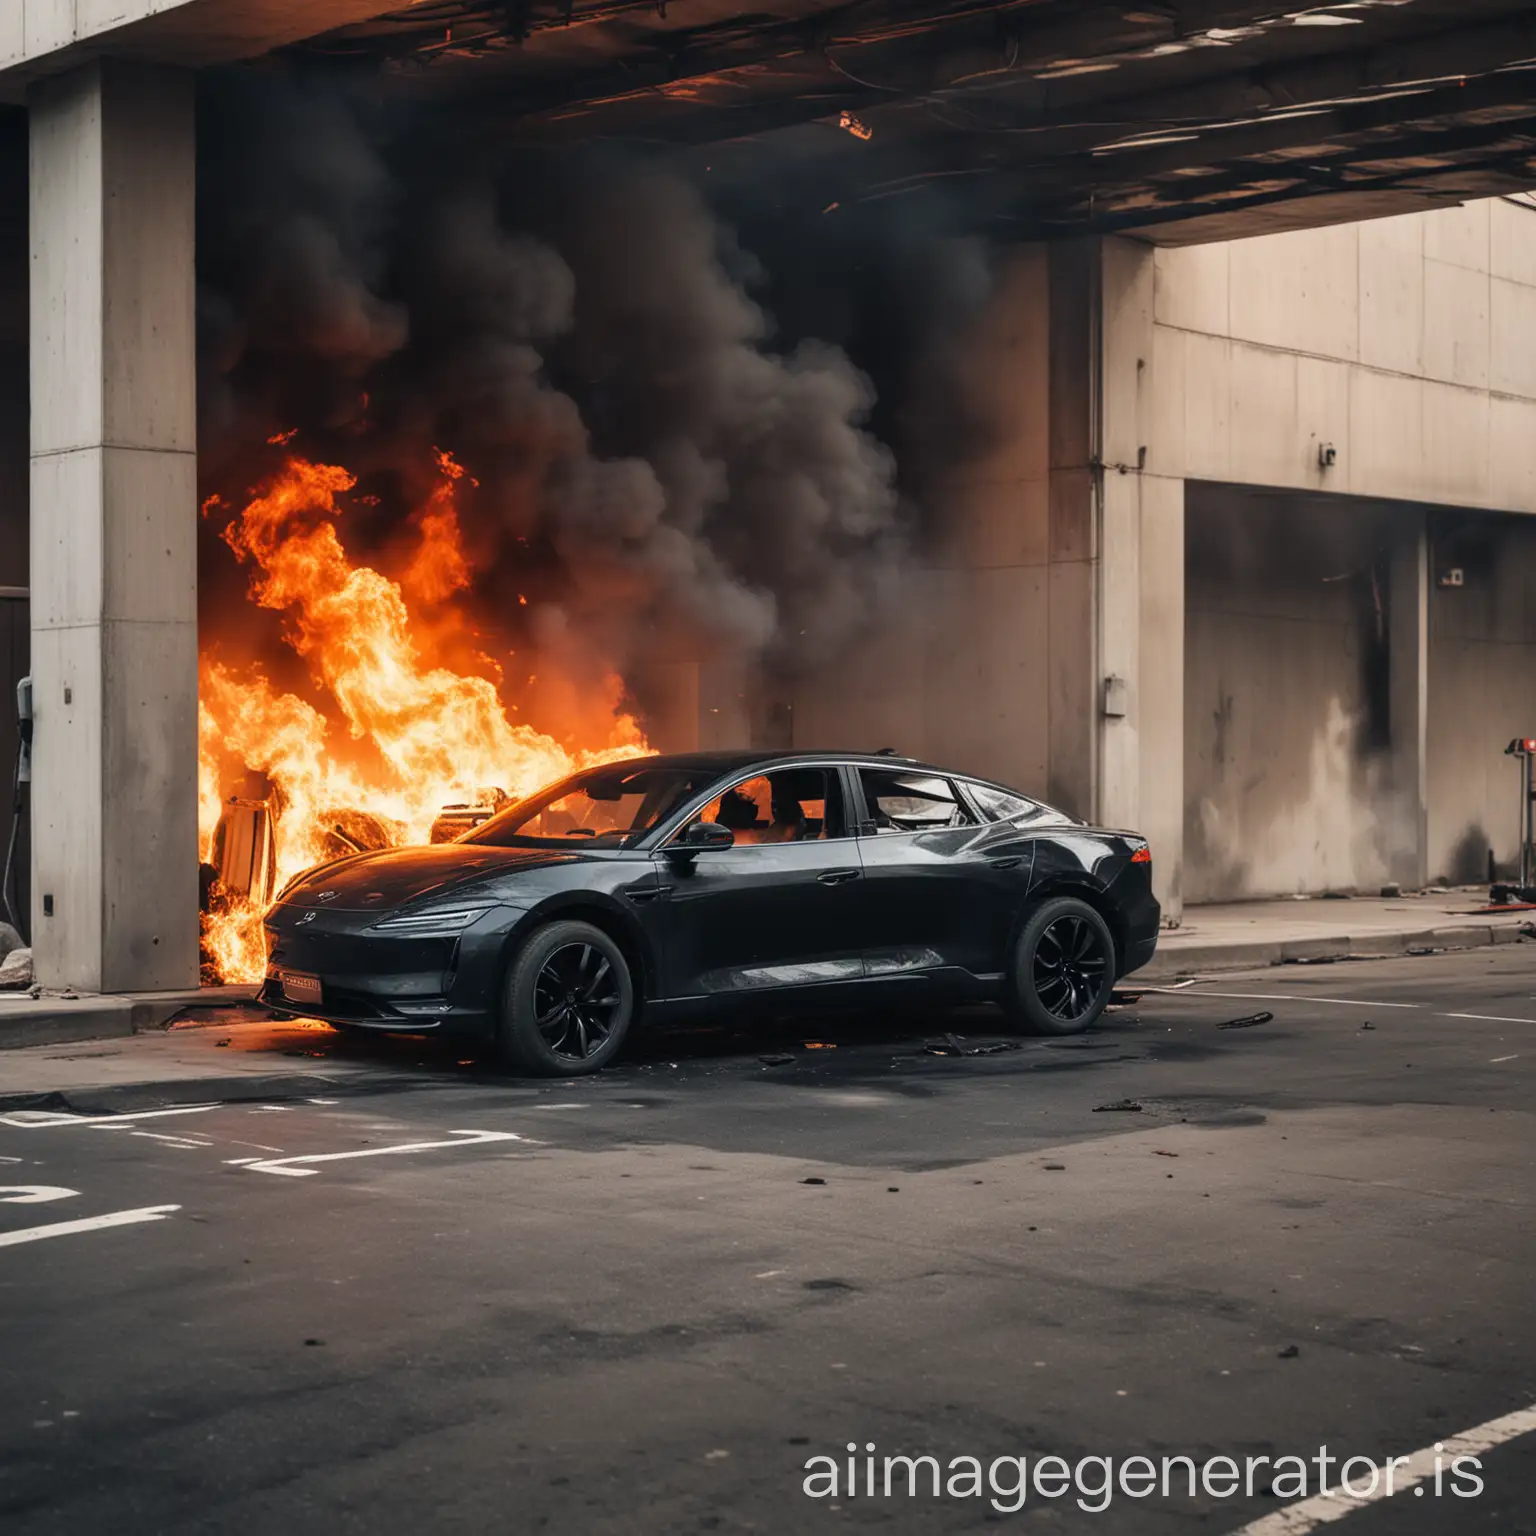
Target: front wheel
(567,1002)
(1063,969)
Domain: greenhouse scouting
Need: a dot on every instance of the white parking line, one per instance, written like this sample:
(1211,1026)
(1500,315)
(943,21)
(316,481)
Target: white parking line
(1493,1061)
(297,1167)
(34,1194)
(42,1119)
(1306,997)
(1407,1472)
(1487,1018)
(87,1224)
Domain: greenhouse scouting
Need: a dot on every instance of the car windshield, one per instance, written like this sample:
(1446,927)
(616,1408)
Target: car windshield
(606,807)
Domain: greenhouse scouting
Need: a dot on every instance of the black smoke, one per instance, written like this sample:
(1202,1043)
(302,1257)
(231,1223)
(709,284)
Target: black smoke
(662,468)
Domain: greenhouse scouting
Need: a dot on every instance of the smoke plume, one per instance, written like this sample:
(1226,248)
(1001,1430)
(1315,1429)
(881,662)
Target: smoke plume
(654,473)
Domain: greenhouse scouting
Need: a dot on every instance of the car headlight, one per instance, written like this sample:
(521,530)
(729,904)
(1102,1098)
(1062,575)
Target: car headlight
(439,920)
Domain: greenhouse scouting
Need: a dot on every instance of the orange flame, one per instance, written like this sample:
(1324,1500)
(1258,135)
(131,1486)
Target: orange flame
(422,734)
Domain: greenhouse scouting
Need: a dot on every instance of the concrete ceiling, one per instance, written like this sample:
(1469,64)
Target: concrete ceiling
(1179,119)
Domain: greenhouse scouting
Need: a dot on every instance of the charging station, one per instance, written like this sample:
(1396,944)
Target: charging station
(1523,750)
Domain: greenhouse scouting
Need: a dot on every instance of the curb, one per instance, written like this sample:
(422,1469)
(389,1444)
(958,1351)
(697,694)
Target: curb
(107,1020)
(68,1021)
(1190,959)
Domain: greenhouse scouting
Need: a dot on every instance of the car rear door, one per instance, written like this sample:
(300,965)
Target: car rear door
(943,886)
(782,909)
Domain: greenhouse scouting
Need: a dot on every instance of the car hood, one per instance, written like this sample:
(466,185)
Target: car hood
(394,876)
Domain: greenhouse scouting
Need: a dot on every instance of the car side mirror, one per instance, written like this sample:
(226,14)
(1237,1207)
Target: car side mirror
(699,835)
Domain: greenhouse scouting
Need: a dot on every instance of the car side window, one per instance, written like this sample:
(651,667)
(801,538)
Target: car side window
(911,802)
(1003,805)
(997,804)
(792,805)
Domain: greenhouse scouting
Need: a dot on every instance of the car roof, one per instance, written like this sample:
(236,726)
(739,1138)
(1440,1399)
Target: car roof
(728,761)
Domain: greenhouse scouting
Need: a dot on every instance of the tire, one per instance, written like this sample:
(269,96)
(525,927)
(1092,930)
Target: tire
(1063,969)
(568,985)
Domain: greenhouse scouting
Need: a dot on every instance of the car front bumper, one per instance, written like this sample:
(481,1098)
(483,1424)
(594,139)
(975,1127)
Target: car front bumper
(399,983)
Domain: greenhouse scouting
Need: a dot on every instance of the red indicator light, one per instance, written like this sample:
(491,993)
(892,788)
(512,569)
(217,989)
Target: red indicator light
(1142,856)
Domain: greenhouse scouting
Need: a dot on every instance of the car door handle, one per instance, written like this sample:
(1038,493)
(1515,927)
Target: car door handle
(646,892)
(838,876)
(1009,863)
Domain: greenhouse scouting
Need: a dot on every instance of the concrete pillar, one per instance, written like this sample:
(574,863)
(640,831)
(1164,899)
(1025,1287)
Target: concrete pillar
(1140,706)
(1408,683)
(113,525)
(1073,598)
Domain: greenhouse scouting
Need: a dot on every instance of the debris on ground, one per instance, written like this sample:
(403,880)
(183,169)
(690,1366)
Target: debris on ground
(1118,999)
(1120,1106)
(954,1045)
(1312,959)
(1391,888)
(1055,1167)
(1158,1152)
(1246,1022)
(776,1061)
(16,971)
(813,1180)
(1367,1025)
(818,1045)
(1421,949)
(221,1043)
(1290,1352)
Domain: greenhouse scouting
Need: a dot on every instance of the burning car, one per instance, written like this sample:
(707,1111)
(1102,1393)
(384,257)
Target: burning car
(664,886)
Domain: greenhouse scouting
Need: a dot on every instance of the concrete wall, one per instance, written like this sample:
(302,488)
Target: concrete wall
(1300,774)
(1482,691)
(1408,343)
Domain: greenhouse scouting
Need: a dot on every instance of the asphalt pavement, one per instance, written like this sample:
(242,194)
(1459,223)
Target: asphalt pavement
(262,1279)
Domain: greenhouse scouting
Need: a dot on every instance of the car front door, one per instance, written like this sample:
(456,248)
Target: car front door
(942,886)
(778,911)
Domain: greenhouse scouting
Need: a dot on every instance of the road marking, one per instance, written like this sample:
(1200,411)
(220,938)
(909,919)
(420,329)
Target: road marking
(87,1224)
(1306,997)
(1493,1061)
(33,1194)
(173,1141)
(290,1167)
(1487,1018)
(1324,1508)
(41,1119)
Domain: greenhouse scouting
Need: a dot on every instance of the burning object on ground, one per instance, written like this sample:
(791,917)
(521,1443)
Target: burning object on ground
(244,860)
(454,820)
(355,831)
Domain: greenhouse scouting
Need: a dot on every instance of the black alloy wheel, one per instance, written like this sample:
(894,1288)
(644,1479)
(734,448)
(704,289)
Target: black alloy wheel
(1064,968)
(568,1002)
(576,1001)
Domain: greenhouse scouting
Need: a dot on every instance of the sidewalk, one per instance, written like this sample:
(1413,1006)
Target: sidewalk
(1237,935)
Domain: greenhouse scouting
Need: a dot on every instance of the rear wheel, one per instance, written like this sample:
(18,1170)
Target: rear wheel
(1063,969)
(567,1003)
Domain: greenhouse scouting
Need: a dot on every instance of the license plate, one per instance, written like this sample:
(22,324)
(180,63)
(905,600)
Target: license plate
(299,988)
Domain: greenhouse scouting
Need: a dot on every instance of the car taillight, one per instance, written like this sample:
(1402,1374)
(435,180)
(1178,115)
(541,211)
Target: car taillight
(1143,855)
